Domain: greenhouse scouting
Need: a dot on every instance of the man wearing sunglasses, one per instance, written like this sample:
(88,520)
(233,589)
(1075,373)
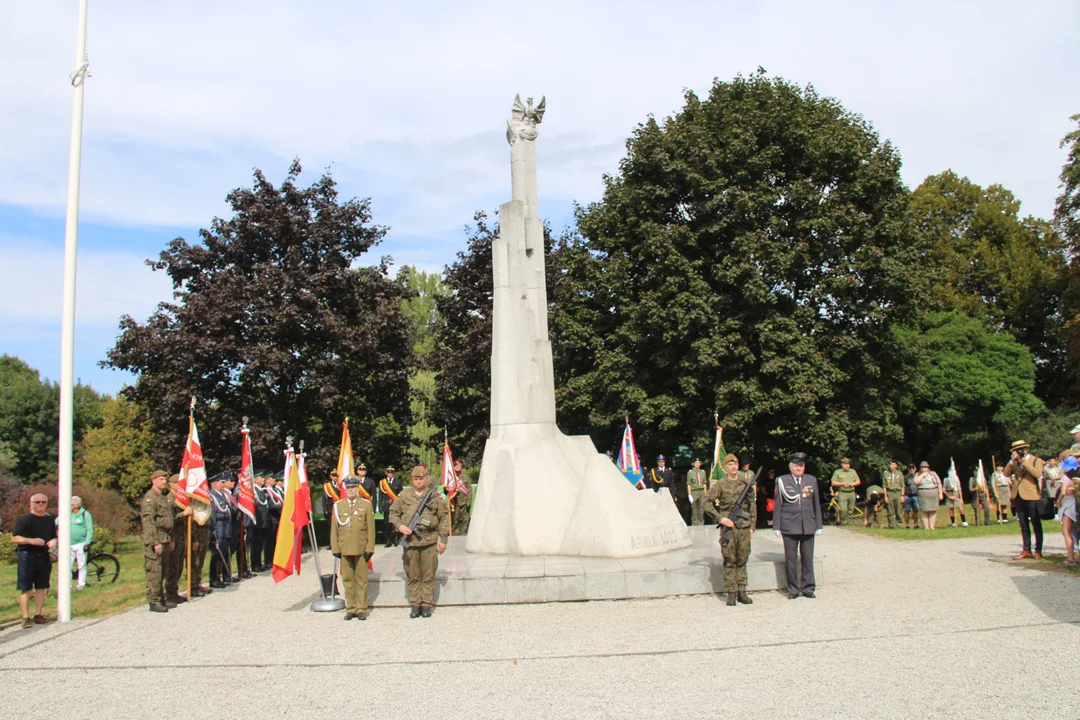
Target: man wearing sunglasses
(35,536)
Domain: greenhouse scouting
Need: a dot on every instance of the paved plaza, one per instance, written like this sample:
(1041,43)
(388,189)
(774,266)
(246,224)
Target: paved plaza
(930,629)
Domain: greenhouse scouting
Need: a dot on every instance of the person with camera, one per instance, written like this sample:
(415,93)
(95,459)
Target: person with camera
(1025,473)
(352,541)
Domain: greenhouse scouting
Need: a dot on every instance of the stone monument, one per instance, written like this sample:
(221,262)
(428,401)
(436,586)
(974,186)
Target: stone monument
(542,492)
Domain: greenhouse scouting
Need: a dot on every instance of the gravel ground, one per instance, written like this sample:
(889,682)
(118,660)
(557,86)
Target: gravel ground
(901,630)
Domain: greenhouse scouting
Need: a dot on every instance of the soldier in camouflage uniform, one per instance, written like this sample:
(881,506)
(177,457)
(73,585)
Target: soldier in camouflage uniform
(735,543)
(174,566)
(352,540)
(157,525)
(422,547)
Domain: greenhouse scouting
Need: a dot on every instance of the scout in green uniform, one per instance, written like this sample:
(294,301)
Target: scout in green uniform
(157,525)
(980,498)
(174,566)
(422,547)
(697,480)
(875,506)
(735,544)
(844,481)
(352,540)
(893,482)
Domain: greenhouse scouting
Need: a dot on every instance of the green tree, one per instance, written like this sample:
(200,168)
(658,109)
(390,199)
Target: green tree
(992,264)
(8,458)
(273,318)
(1049,433)
(1067,220)
(119,454)
(750,257)
(30,418)
(423,312)
(964,381)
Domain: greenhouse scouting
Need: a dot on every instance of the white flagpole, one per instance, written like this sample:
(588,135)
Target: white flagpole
(67,341)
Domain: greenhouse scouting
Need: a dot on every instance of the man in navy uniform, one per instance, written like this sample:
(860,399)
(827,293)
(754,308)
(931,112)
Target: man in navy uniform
(259,528)
(389,488)
(660,476)
(275,498)
(797,519)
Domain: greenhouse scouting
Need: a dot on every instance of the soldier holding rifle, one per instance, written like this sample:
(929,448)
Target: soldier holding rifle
(421,517)
(734,507)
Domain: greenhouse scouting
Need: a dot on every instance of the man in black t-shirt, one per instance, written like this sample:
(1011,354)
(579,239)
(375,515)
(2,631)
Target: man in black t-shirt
(35,536)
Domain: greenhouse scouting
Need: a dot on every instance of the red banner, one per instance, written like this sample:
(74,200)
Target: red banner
(245,498)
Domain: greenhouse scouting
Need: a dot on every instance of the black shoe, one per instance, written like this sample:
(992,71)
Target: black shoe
(217,584)
(169,604)
(248,575)
(158,607)
(414,611)
(349,616)
(361,616)
(793,596)
(178,599)
(197,593)
(809,594)
(744,598)
(235,579)
(426,610)
(731,599)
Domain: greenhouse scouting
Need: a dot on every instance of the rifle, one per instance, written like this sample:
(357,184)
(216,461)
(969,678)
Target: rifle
(415,522)
(737,512)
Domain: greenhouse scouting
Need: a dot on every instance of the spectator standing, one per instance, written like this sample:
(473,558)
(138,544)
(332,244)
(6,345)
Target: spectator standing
(35,535)
(930,493)
(911,499)
(1066,503)
(82,534)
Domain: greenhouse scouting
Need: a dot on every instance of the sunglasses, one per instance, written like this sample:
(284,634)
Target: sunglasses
(39,502)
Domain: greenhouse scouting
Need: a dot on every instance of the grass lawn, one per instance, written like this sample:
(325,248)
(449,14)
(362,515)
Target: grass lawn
(128,591)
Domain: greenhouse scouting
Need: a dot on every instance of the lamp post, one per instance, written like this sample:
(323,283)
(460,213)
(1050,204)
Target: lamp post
(67,333)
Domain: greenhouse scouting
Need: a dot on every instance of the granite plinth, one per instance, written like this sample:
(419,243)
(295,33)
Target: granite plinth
(467,578)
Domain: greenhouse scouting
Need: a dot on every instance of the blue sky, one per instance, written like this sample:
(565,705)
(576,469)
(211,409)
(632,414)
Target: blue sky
(406,103)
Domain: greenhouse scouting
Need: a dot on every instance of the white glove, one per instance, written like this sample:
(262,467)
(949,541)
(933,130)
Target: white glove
(777,533)
(818,531)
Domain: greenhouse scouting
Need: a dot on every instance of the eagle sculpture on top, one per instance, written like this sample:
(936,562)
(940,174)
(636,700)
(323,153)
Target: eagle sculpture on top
(524,119)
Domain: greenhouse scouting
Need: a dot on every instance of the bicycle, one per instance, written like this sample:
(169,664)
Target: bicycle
(102,568)
(832,511)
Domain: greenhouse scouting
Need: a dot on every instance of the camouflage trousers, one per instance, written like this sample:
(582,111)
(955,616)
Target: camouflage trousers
(460,525)
(155,573)
(174,565)
(736,550)
(200,542)
(697,509)
(895,508)
(420,566)
(354,577)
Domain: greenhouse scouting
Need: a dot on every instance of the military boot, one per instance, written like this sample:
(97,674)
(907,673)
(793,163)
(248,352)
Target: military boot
(415,611)
(426,610)
(731,599)
(158,607)
(744,598)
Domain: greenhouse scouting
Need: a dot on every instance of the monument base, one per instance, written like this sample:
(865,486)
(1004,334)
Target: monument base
(467,578)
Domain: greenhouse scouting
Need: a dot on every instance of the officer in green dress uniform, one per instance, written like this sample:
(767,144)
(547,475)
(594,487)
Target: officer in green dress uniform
(893,482)
(735,543)
(844,481)
(697,480)
(352,540)
(424,545)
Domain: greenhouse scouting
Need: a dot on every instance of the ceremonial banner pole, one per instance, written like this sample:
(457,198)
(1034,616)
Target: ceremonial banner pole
(67,332)
(187,571)
(324,603)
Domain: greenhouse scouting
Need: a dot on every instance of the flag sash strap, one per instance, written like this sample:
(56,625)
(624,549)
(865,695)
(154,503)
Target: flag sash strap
(364,493)
(331,490)
(387,490)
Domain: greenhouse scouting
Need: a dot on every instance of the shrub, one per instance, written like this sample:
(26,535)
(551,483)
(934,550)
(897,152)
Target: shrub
(104,540)
(7,549)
